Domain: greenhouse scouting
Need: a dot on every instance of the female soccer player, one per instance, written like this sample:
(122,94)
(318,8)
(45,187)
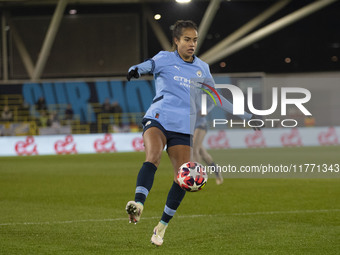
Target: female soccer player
(170,119)
(166,122)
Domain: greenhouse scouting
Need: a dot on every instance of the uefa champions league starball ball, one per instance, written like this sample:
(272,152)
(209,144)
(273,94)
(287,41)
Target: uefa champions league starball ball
(192,176)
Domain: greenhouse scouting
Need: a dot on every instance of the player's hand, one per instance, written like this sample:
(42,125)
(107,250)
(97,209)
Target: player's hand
(132,73)
(255,121)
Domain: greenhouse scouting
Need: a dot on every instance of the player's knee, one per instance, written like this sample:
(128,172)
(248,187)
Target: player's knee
(196,154)
(202,152)
(154,159)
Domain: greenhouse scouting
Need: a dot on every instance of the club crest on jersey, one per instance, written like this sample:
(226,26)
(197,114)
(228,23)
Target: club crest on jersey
(199,73)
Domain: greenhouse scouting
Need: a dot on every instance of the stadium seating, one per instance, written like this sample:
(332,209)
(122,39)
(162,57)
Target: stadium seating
(26,120)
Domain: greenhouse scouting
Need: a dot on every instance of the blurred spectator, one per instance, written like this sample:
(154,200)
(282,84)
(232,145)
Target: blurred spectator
(24,106)
(105,118)
(309,121)
(115,108)
(6,114)
(69,112)
(41,104)
(53,120)
(106,107)
(117,111)
(43,119)
(134,127)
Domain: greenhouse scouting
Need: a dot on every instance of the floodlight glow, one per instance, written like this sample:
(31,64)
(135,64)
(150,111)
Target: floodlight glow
(157,17)
(183,1)
(73,11)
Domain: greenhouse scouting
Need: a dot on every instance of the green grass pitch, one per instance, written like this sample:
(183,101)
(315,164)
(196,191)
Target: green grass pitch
(75,204)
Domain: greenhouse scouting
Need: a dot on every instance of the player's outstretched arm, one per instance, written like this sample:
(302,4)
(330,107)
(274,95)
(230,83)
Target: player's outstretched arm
(133,73)
(137,70)
(227,106)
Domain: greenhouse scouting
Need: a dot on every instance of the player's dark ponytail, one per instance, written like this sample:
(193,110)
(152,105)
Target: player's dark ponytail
(178,29)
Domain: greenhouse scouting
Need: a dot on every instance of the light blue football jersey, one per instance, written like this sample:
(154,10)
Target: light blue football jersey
(179,86)
(172,106)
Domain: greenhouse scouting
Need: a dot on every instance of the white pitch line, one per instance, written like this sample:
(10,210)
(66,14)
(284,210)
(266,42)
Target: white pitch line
(179,216)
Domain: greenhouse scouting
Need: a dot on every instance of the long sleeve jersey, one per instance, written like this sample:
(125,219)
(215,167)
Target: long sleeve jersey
(178,88)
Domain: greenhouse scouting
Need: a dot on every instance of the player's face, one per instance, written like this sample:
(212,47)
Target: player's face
(187,43)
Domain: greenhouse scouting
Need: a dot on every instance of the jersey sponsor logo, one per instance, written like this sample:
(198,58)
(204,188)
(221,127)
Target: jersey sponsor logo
(183,81)
(177,68)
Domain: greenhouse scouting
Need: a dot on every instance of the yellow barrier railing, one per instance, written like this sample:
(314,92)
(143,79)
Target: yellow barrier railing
(18,128)
(119,122)
(29,115)
(11,99)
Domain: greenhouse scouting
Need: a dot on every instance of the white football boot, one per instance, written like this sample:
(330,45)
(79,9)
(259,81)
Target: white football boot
(158,234)
(219,178)
(134,211)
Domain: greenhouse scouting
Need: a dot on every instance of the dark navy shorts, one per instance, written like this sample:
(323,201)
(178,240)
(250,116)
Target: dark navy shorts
(172,138)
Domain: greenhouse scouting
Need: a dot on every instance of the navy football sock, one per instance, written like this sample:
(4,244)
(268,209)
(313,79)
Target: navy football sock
(215,168)
(144,181)
(175,196)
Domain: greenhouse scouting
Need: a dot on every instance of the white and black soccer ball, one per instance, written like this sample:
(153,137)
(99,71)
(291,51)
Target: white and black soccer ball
(192,176)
